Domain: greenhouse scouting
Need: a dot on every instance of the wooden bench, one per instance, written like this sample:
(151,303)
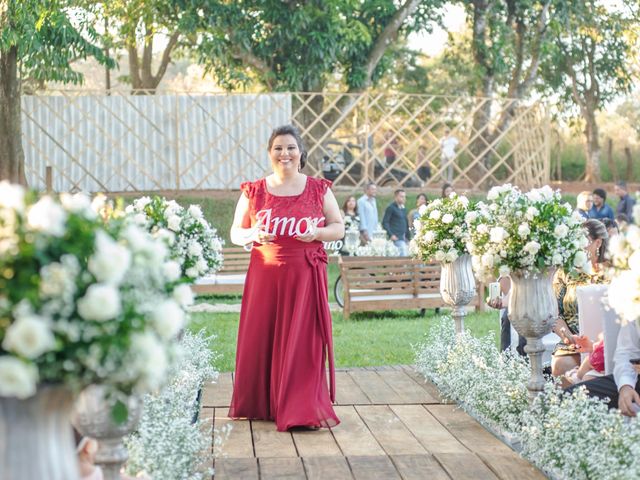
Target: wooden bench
(230,279)
(392,283)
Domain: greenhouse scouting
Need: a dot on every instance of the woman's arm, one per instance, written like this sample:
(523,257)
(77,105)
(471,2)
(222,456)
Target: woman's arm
(242,233)
(333,223)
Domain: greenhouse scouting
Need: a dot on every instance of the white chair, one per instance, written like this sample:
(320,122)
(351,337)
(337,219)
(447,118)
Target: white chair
(611,323)
(591,311)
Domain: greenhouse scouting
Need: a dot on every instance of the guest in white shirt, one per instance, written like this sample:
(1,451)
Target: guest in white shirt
(368,211)
(448,145)
(622,388)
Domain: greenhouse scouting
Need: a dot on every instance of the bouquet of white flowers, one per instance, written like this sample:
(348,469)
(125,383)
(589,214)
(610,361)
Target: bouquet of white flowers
(441,229)
(386,249)
(82,301)
(527,232)
(625,283)
(193,242)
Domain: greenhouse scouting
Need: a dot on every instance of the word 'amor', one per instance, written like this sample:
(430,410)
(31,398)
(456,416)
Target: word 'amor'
(286,225)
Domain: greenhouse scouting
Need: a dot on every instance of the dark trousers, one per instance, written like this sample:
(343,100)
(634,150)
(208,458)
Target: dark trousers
(602,387)
(505,335)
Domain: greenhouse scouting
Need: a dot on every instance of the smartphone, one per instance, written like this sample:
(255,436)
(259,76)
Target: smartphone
(494,291)
(568,335)
(635,361)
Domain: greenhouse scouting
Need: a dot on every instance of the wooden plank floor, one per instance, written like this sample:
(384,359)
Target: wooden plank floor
(394,425)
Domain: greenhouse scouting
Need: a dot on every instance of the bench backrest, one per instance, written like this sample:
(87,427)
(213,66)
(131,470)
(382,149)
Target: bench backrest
(366,276)
(235,260)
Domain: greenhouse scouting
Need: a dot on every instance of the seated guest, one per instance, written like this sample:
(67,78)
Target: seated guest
(626,203)
(600,210)
(502,303)
(612,226)
(567,354)
(447,189)
(421,199)
(584,202)
(622,388)
(593,365)
(396,224)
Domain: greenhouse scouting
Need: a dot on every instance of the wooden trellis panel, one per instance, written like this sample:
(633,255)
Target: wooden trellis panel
(182,140)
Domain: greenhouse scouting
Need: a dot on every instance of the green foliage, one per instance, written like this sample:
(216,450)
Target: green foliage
(299,46)
(47,39)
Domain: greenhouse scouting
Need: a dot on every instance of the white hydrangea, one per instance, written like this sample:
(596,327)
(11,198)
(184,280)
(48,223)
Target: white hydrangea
(47,216)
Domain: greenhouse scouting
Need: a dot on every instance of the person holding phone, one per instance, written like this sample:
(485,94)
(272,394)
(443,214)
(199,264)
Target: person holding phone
(499,299)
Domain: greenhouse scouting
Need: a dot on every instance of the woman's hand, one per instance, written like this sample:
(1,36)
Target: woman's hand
(263,237)
(495,303)
(583,343)
(561,329)
(309,236)
(628,401)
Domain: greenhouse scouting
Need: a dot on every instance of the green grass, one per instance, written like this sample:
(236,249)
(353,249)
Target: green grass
(368,339)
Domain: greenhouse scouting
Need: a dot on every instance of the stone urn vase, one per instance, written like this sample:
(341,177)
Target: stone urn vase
(533,310)
(36,439)
(92,418)
(457,287)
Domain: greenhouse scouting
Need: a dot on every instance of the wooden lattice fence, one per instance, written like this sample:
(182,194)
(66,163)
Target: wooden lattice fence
(180,140)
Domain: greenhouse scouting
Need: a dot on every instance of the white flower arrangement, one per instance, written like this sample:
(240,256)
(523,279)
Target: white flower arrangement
(386,249)
(527,232)
(624,251)
(192,241)
(169,442)
(441,229)
(566,436)
(80,301)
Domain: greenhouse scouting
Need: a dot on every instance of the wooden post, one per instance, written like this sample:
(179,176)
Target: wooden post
(612,165)
(48,179)
(627,152)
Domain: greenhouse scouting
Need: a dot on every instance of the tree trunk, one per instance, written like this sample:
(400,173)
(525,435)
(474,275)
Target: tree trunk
(612,165)
(11,153)
(592,167)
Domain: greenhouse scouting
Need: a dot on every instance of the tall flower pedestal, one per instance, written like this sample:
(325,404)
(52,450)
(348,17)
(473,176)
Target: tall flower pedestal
(36,440)
(92,418)
(457,287)
(533,310)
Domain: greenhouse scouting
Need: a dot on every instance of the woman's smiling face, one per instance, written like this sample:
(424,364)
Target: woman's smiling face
(285,153)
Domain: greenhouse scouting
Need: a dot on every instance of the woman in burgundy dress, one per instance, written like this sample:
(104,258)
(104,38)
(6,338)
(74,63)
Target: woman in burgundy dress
(284,337)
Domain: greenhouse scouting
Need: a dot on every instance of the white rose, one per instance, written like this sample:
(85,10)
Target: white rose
(439,256)
(616,245)
(172,208)
(556,259)
(534,195)
(451,256)
(29,336)
(482,229)
(464,201)
(561,231)
(195,211)
(183,295)
(493,193)
(173,222)
(435,215)
(149,361)
(634,261)
(202,266)
(166,236)
(192,272)
(546,192)
(633,237)
(11,196)
(470,217)
(532,247)
(447,218)
(17,378)
(417,224)
(487,260)
(100,303)
(141,203)
(422,209)
(580,260)
(79,203)
(110,262)
(524,230)
(194,249)
(140,219)
(497,234)
(504,270)
(171,271)
(168,318)
(429,236)
(47,216)
(532,212)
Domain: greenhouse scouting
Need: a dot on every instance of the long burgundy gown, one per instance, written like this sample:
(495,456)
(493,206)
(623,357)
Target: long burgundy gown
(284,337)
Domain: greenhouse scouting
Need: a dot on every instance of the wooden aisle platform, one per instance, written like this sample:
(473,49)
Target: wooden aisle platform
(394,426)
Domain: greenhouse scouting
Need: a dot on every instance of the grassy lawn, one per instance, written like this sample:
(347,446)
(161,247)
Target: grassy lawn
(369,339)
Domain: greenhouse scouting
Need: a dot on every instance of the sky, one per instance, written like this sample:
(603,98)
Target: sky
(432,44)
